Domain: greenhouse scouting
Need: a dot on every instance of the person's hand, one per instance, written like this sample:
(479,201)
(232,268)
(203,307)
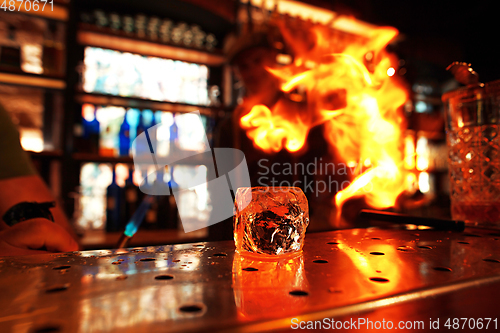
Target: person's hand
(35,236)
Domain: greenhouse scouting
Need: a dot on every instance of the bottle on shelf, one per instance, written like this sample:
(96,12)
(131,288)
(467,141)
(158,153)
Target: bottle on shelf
(30,36)
(114,21)
(100,18)
(140,25)
(114,205)
(128,24)
(53,51)
(165,208)
(150,220)
(198,36)
(153,25)
(174,138)
(133,196)
(140,147)
(173,218)
(148,120)
(132,117)
(164,121)
(60,45)
(165,30)
(178,31)
(110,119)
(124,137)
(10,50)
(210,42)
(91,129)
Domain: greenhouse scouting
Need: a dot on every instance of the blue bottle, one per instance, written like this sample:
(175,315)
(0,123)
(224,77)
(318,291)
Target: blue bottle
(124,138)
(148,121)
(132,117)
(174,137)
(114,205)
(91,130)
(142,146)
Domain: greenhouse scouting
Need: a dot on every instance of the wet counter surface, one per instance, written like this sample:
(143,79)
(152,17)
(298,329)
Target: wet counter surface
(371,273)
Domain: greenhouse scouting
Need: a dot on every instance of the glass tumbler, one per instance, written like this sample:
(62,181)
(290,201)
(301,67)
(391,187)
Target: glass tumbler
(472,134)
(270,221)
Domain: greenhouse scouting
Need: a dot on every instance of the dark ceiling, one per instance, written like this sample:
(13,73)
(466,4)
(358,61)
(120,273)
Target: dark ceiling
(439,31)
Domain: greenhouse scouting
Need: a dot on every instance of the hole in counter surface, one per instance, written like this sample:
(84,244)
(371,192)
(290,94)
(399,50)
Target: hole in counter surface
(406,248)
(472,235)
(379,279)
(61,267)
(320,261)
(249,269)
(492,260)
(298,293)
(376,253)
(164,277)
(47,329)
(442,269)
(147,259)
(58,288)
(191,308)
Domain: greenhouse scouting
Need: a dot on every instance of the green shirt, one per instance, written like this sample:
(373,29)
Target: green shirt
(14,162)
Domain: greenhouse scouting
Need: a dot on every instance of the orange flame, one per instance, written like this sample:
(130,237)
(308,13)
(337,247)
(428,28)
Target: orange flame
(354,92)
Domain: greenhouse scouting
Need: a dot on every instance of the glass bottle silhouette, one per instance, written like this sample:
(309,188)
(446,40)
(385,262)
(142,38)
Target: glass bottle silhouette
(124,137)
(114,205)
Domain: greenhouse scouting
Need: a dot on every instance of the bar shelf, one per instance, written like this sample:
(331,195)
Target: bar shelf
(199,159)
(88,35)
(32,80)
(132,102)
(46,154)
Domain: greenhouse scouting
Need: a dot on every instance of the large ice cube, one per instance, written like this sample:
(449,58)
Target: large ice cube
(272,221)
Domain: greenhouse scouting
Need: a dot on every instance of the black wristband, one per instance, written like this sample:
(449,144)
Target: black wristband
(28,210)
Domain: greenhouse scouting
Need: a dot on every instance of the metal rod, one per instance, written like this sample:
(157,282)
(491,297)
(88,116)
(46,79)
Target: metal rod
(439,224)
(135,221)
(123,241)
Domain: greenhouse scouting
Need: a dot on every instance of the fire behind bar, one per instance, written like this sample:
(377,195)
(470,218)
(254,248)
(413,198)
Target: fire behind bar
(438,224)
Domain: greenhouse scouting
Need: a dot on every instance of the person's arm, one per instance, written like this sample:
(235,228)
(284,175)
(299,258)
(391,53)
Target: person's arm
(19,182)
(35,236)
(31,189)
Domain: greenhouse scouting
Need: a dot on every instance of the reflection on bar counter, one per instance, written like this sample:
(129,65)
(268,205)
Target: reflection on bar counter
(132,75)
